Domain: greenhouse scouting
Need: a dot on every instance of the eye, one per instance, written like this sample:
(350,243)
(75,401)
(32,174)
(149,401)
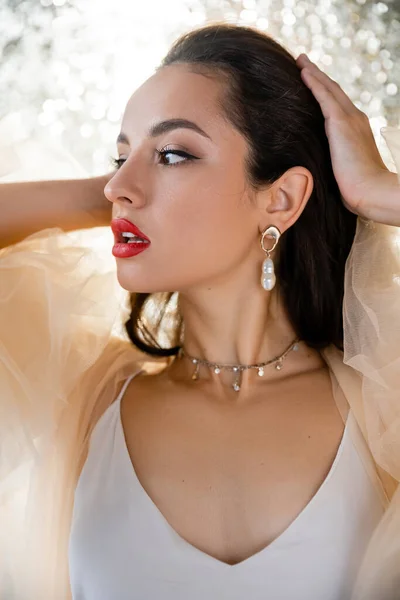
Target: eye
(116,162)
(167,156)
(170,158)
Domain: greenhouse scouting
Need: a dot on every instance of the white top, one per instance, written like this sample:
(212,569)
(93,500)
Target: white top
(122,548)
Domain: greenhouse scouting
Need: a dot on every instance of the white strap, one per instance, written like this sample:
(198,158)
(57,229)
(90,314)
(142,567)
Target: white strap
(126,383)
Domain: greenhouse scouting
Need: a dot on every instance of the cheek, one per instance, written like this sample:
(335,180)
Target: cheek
(200,227)
(207,226)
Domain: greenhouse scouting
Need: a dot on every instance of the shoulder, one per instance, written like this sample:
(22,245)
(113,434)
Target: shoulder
(142,374)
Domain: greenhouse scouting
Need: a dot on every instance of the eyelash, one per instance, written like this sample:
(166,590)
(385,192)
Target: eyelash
(118,162)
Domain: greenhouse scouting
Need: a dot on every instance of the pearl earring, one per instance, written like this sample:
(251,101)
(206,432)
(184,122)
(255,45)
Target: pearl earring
(268,278)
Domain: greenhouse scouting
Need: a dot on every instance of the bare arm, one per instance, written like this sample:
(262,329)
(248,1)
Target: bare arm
(28,207)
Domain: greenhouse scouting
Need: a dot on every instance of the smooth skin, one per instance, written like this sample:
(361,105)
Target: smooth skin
(229,471)
(27,207)
(205,223)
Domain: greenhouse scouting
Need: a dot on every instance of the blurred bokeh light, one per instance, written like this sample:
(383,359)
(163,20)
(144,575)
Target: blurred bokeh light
(68,67)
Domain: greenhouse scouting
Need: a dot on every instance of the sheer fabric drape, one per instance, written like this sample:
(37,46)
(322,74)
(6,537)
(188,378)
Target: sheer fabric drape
(63,353)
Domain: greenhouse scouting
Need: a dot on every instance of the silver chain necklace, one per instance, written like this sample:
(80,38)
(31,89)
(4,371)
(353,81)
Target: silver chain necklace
(238,369)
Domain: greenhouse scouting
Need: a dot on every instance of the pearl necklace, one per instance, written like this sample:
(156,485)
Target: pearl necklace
(238,369)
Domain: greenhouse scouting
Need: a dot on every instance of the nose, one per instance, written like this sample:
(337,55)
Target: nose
(114,195)
(124,192)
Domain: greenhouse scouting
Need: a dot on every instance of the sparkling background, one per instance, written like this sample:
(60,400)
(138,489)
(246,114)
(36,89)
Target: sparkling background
(68,67)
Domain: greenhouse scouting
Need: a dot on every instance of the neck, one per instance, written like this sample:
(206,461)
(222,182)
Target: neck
(237,329)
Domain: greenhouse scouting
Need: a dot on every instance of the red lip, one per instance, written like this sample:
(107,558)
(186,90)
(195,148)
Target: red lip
(120,225)
(121,248)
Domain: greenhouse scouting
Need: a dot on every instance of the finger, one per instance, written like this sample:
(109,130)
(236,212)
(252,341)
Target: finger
(330,107)
(304,62)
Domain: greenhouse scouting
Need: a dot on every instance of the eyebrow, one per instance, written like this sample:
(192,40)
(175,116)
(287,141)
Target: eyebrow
(165,127)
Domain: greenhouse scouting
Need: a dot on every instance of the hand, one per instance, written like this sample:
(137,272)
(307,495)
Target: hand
(363,179)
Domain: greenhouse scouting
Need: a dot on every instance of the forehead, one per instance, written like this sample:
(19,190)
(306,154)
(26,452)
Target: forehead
(174,92)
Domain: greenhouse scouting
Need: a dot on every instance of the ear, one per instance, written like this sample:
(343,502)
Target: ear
(284,201)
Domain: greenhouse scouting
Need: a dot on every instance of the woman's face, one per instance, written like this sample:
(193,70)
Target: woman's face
(195,209)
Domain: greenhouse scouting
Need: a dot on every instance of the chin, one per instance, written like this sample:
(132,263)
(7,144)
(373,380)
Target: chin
(140,279)
(134,287)
(137,285)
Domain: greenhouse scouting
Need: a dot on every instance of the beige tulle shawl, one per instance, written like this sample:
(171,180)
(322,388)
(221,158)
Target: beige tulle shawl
(63,353)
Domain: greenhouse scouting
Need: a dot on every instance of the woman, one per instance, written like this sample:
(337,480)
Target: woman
(241,442)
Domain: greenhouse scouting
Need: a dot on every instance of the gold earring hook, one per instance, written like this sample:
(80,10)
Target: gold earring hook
(273,232)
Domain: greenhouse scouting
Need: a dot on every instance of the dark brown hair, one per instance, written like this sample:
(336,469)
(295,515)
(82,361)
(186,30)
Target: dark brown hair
(266,100)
